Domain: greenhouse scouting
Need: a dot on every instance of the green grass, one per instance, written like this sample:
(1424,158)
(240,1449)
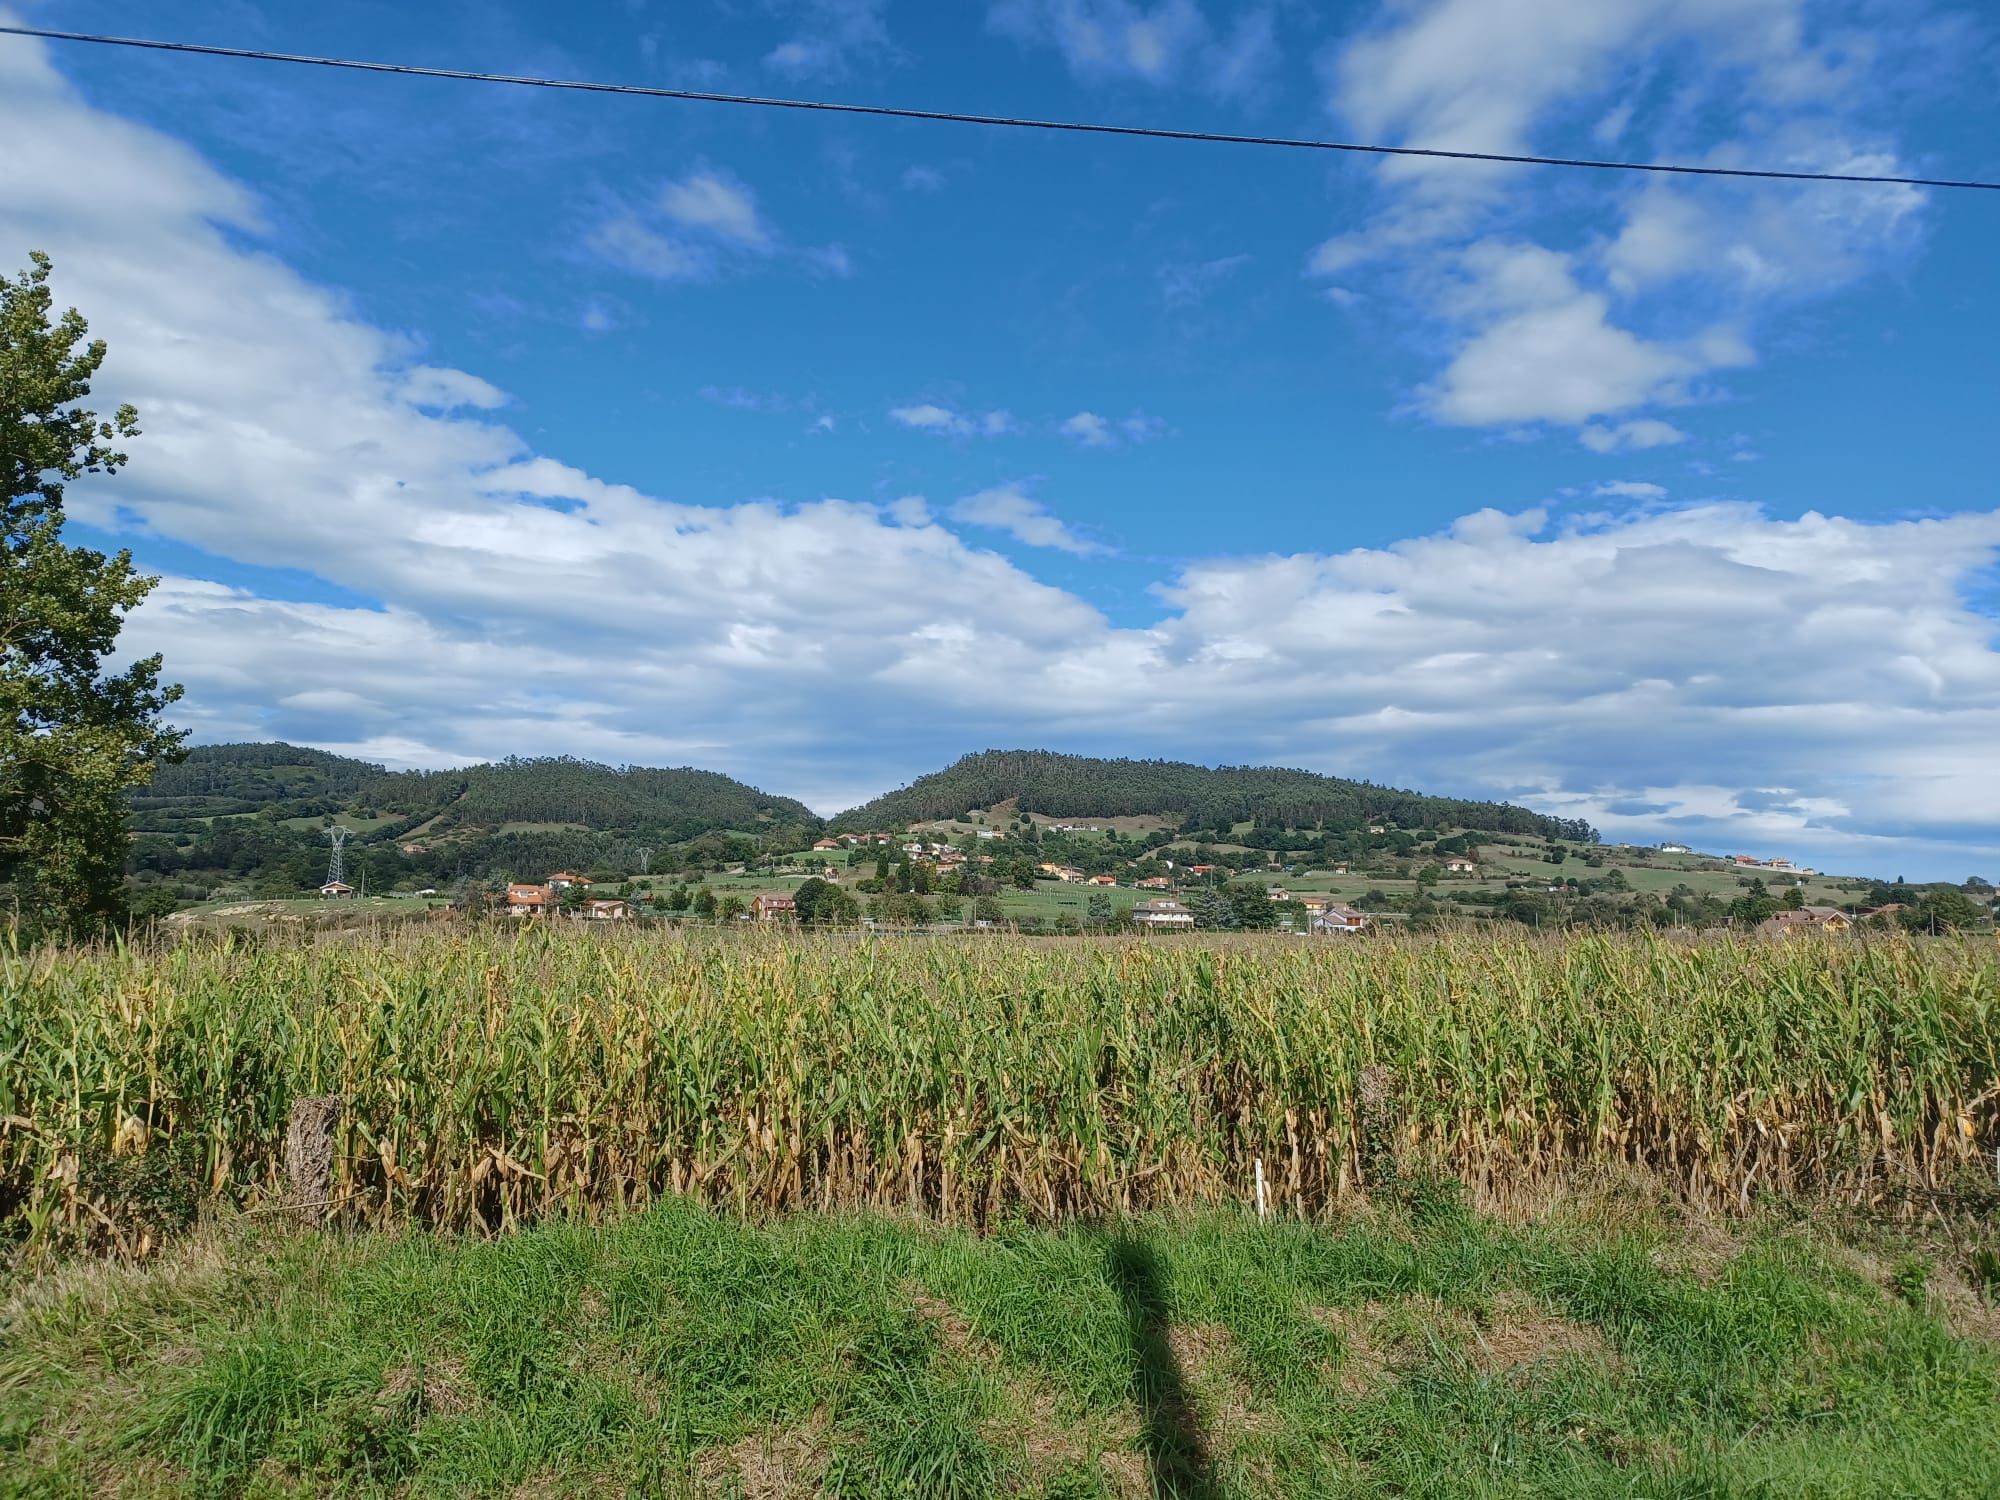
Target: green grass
(1607,1350)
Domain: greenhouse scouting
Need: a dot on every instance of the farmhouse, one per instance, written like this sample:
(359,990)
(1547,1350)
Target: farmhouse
(774,908)
(1104,880)
(1805,919)
(335,890)
(529,900)
(1338,919)
(562,880)
(826,844)
(1461,864)
(1168,914)
(1154,883)
(608,911)
(1671,848)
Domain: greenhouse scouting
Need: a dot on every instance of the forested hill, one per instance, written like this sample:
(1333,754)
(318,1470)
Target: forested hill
(1040,781)
(217,780)
(289,782)
(680,803)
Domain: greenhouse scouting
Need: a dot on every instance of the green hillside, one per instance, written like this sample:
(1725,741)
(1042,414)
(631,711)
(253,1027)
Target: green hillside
(236,821)
(223,780)
(678,803)
(1202,797)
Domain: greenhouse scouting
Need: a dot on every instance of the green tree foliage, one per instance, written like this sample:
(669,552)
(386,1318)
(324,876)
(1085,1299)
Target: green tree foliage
(1201,796)
(821,903)
(1251,906)
(1097,910)
(1942,909)
(73,739)
(676,803)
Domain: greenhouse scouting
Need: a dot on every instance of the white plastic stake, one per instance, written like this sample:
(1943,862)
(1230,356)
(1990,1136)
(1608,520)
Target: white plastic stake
(1263,1199)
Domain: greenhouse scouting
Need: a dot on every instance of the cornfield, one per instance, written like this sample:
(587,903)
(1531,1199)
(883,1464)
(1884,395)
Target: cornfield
(494,1076)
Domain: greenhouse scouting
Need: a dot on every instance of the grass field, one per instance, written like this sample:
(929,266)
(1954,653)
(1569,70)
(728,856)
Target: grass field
(492,1076)
(1610,1349)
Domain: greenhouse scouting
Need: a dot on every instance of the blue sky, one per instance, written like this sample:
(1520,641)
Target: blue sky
(486,421)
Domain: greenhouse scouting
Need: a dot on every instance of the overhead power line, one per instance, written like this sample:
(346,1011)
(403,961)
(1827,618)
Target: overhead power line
(1011,122)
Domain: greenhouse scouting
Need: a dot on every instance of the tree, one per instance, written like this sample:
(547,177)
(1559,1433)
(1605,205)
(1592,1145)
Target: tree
(1942,909)
(1251,905)
(1097,910)
(987,909)
(73,739)
(821,903)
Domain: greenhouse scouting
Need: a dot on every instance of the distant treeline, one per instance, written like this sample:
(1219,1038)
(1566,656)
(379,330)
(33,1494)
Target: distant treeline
(1040,781)
(673,804)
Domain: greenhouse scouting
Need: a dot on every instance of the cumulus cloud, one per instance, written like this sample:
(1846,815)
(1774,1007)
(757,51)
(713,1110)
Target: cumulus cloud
(1631,489)
(1026,519)
(1156,43)
(1665,283)
(1817,685)
(945,421)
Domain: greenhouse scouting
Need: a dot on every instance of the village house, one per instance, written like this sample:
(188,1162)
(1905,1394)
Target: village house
(1805,919)
(1162,914)
(1777,864)
(1278,893)
(1744,859)
(1154,883)
(529,900)
(991,833)
(562,880)
(1337,919)
(1104,880)
(335,890)
(1671,848)
(1314,905)
(1461,864)
(826,844)
(607,911)
(774,908)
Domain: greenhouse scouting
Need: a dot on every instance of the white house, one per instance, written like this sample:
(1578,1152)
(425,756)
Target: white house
(1168,914)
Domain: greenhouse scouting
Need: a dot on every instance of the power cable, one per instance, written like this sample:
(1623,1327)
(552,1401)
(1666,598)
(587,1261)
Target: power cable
(1012,122)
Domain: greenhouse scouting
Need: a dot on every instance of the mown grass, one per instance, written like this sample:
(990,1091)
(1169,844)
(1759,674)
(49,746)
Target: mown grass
(1421,1351)
(496,1077)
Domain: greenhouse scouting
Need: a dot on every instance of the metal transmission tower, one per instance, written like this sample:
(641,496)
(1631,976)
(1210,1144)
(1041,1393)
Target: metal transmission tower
(336,864)
(645,860)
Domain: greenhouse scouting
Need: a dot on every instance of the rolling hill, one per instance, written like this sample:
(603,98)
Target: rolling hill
(1042,781)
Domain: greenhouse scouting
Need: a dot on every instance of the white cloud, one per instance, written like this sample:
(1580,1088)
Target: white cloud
(696,227)
(1818,685)
(921,179)
(711,203)
(1671,281)
(928,416)
(445,390)
(1157,43)
(1645,432)
(1089,430)
(828,260)
(1631,489)
(1546,349)
(1026,519)
(1188,283)
(831,35)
